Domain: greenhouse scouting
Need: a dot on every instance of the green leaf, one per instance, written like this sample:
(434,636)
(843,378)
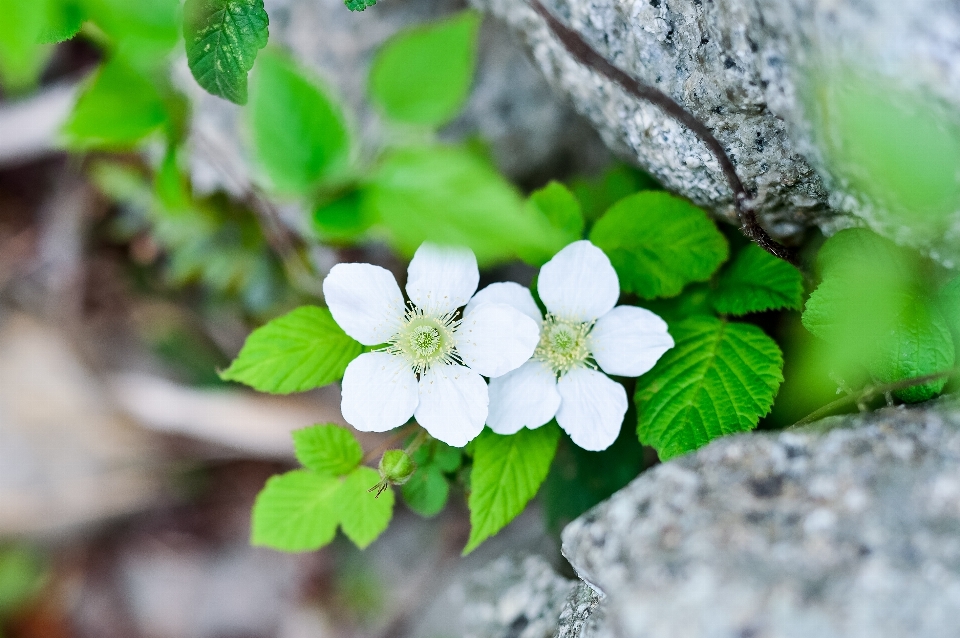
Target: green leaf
(449,195)
(949,300)
(561,208)
(327,449)
(507,472)
(143,32)
(341,220)
(920,345)
(297,511)
(757,281)
(222,40)
(22,574)
(21,56)
(422,75)
(427,491)
(298,132)
(658,243)
(117,110)
(299,351)
(718,379)
(600,193)
(64,21)
(359,5)
(364,516)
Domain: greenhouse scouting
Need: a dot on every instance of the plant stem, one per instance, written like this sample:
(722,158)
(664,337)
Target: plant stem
(392,440)
(589,57)
(870,392)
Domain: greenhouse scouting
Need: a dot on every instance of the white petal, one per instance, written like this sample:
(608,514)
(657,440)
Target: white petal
(440,279)
(579,283)
(628,341)
(496,338)
(379,392)
(510,293)
(526,397)
(365,301)
(453,404)
(592,407)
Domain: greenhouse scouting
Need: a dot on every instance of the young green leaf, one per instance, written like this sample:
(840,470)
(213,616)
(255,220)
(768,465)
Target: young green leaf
(222,39)
(327,449)
(64,22)
(409,81)
(658,243)
(427,490)
(299,351)
(559,206)
(297,511)
(298,132)
(597,194)
(507,472)
(920,345)
(720,378)
(117,110)
(363,515)
(449,195)
(757,281)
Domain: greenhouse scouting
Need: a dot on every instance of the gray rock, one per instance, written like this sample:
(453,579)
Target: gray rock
(743,67)
(830,531)
(531,128)
(515,597)
(582,614)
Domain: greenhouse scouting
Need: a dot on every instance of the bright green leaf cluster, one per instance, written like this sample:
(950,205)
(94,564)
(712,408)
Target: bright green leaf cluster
(222,39)
(299,351)
(757,281)
(300,510)
(429,487)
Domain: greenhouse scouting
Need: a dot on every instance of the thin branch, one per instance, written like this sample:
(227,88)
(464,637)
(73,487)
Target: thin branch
(589,57)
(869,393)
(392,440)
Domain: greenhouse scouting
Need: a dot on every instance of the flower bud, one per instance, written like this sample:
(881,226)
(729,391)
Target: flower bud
(396,467)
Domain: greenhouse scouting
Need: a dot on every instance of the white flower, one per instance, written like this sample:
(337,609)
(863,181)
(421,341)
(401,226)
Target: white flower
(430,361)
(581,331)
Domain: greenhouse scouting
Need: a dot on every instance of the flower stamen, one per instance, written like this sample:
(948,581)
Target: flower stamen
(563,344)
(425,340)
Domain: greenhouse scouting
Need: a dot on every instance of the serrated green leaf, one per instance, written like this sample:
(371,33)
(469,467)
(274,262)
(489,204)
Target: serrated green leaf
(949,301)
(921,344)
(409,81)
(597,194)
(143,32)
(299,351)
(64,22)
(117,110)
(297,511)
(718,379)
(427,491)
(561,208)
(363,514)
(359,5)
(659,243)
(855,252)
(222,40)
(327,449)
(298,132)
(507,472)
(757,281)
(449,195)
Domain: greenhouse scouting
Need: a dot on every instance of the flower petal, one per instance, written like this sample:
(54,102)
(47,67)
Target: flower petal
(510,293)
(440,279)
(592,407)
(365,301)
(526,397)
(628,341)
(495,338)
(379,392)
(453,404)
(579,283)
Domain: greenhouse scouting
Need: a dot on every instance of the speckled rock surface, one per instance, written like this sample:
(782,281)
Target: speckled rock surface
(582,614)
(833,532)
(515,597)
(743,68)
(532,129)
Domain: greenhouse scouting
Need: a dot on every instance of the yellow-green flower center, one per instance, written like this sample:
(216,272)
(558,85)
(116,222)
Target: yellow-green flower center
(563,344)
(425,340)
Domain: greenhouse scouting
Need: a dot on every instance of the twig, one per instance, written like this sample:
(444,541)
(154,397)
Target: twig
(589,57)
(868,393)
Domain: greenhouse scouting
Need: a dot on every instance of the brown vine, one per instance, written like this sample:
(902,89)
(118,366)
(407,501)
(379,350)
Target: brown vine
(589,57)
